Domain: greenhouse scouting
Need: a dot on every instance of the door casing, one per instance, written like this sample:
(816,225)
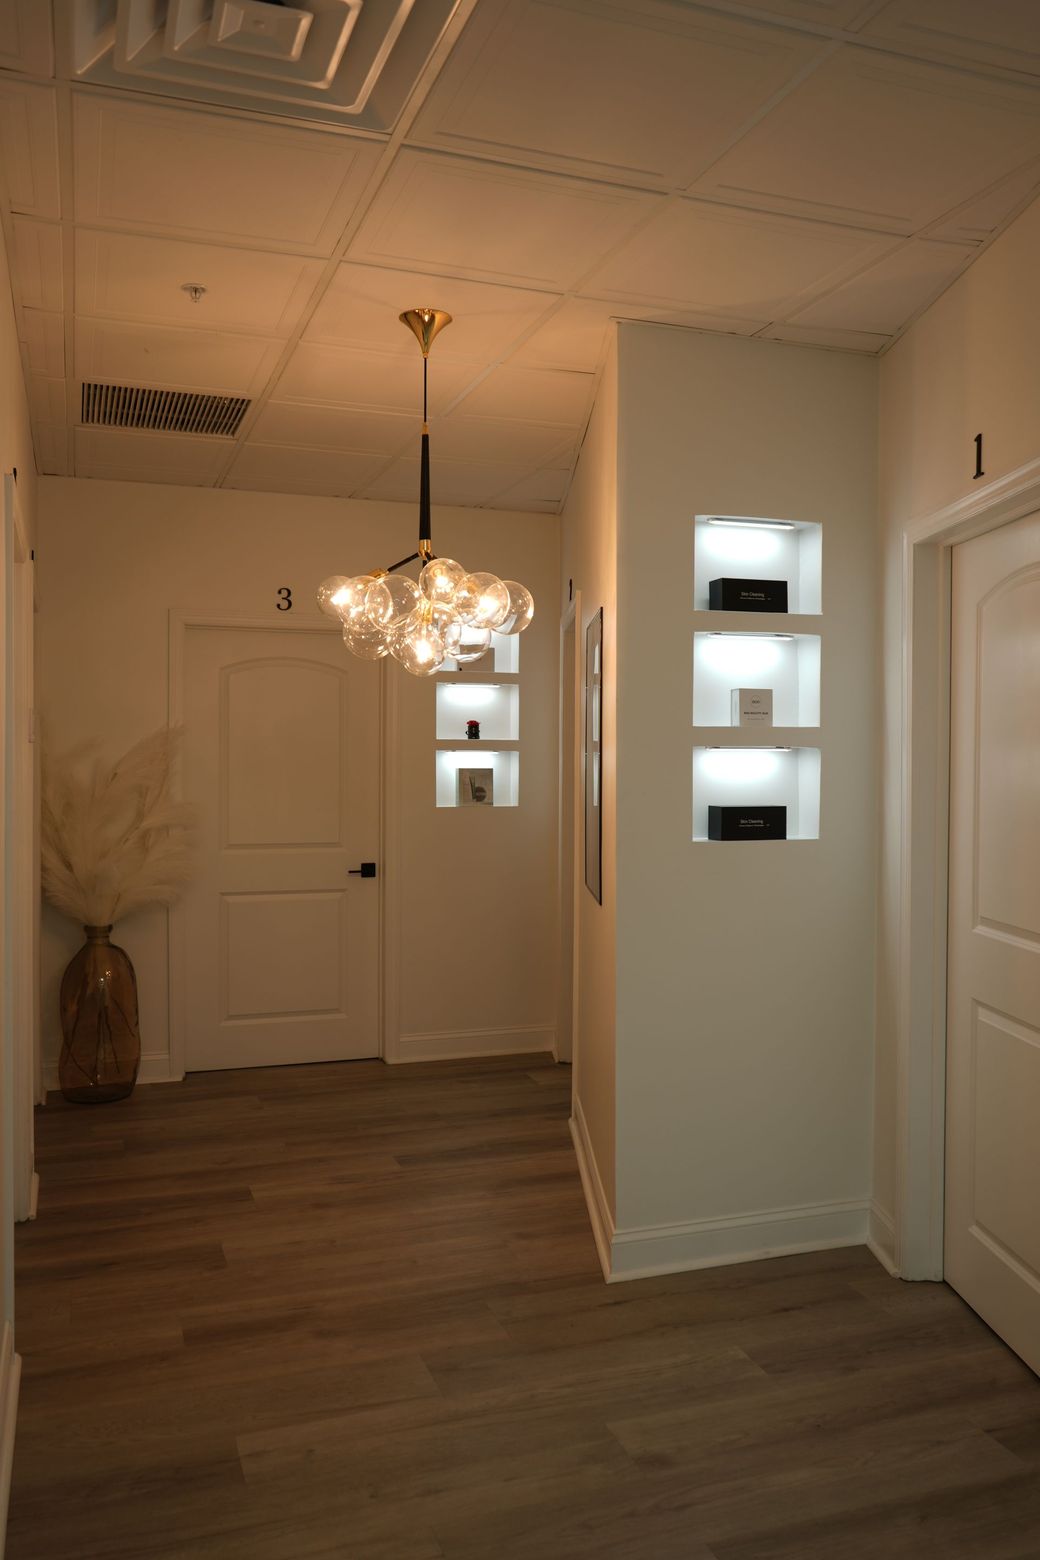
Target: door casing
(924,858)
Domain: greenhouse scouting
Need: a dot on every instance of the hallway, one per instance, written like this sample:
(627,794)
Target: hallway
(351,1312)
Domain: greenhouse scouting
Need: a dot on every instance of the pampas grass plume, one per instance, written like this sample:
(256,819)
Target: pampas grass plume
(112,838)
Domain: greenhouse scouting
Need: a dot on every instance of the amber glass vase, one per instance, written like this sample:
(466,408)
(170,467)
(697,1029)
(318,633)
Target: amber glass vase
(101,1040)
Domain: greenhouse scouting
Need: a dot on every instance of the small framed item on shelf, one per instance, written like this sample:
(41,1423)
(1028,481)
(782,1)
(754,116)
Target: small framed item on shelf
(751,706)
(727,595)
(476,787)
(747,823)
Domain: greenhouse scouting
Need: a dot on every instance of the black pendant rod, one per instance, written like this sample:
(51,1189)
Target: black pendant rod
(424,472)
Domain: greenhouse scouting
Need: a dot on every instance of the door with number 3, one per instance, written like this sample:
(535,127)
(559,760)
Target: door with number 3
(280,933)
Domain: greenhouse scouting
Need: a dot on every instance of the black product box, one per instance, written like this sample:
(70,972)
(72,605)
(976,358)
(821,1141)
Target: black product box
(747,595)
(747,823)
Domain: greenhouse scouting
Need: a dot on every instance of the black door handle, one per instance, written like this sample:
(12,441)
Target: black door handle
(366,869)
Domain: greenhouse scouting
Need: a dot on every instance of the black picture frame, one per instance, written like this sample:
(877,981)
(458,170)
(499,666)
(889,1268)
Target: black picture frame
(592,756)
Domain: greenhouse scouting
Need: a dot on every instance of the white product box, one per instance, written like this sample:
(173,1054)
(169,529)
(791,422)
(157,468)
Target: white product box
(751,706)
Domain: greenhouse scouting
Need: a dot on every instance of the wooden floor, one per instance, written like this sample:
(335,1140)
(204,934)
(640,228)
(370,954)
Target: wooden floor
(355,1312)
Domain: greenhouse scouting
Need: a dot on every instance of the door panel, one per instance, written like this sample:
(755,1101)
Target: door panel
(281,759)
(993,1025)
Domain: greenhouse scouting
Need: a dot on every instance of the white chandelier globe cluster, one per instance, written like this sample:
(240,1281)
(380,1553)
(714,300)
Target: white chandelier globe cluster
(449,614)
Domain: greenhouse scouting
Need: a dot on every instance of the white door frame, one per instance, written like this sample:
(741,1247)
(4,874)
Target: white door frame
(287,623)
(569,625)
(21,1007)
(924,857)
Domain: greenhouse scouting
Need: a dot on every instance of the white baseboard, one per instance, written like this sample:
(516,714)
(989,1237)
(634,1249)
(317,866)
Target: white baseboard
(600,1216)
(775,1232)
(10,1378)
(453,1044)
(155,1068)
(881,1238)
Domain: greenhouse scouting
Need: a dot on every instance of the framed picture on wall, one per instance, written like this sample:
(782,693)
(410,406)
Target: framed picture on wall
(593,759)
(476,787)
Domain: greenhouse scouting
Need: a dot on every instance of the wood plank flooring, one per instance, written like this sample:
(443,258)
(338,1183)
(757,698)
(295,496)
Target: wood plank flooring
(354,1313)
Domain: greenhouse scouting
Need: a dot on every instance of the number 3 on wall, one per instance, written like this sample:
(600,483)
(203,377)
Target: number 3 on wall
(284,599)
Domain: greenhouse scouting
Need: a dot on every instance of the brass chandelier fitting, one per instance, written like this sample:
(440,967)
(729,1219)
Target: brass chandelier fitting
(449,614)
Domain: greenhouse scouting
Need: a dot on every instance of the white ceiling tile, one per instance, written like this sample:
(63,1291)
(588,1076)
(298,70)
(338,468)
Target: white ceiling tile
(38,268)
(374,381)
(44,338)
(493,223)
(884,297)
(29,143)
(976,221)
(221,364)
(25,37)
(1002,33)
(495,441)
(272,468)
(213,176)
(51,449)
(874,140)
(842,340)
(576,335)
(715,259)
(334,428)
(47,400)
(134,277)
(644,92)
(363,302)
(130,456)
(546,395)
(454,482)
(544,491)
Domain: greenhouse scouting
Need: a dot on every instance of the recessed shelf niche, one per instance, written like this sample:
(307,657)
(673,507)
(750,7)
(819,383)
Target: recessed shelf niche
(504,766)
(761,548)
(758,777)
(789,664)
(503,656)
(495,705)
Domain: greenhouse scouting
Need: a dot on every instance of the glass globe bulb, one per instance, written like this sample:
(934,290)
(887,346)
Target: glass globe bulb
(419,650)
(440,580)
(347,598)
(482,600)
(365,640)
(331,593)
(389,600)
(521,608)
(465,644)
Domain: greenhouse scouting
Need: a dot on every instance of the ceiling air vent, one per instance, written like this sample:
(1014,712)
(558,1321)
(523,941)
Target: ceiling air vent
(162,411)
(346,62)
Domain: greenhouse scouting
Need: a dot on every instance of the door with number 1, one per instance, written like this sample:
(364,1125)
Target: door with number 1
(280,930)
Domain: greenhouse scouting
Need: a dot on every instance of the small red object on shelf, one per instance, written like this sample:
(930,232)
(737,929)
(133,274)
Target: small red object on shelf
(473,730)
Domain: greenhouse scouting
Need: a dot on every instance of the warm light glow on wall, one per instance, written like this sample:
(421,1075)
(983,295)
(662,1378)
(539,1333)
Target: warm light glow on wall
(739,764)
(741,547)
(472,695)
(740,655)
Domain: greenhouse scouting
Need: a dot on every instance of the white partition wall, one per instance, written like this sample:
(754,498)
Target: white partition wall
(744,968)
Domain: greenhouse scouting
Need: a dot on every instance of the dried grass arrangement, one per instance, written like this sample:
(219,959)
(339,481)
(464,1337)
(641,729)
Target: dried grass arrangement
(113,840)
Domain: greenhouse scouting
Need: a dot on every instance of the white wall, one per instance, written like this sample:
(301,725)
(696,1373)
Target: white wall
(970,365)
(745,972)
(15,455)
(477,947)
(590,565)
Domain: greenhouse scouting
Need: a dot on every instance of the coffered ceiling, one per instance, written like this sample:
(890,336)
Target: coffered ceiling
(813,171)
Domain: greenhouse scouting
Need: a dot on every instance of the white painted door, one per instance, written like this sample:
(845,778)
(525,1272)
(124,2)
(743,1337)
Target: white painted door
(281,758)
(993,1084)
